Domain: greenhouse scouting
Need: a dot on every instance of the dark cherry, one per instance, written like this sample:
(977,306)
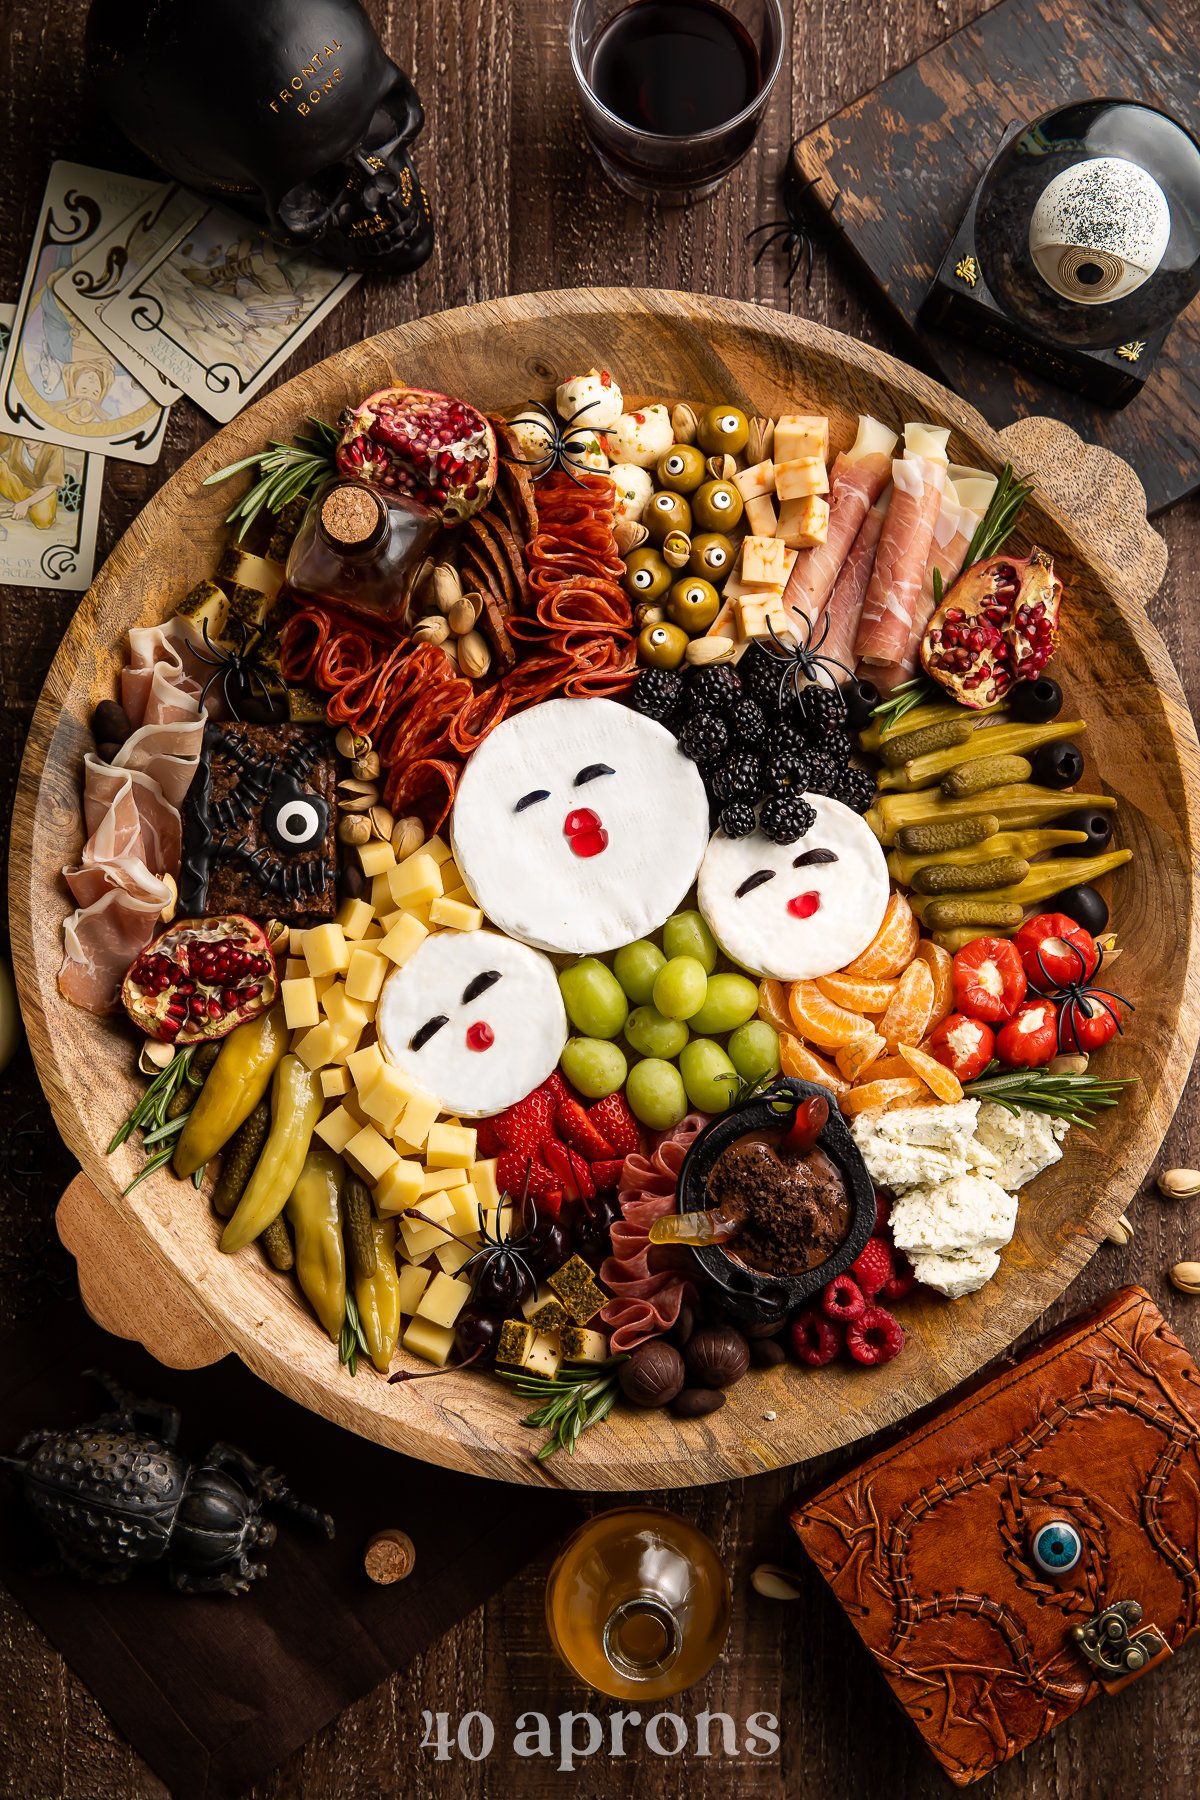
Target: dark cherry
(1098,826)
(477,1329)
(1085,906)
(504,1283)
(547,1248)
(1036,702)
(592,1230)
(1058,765)
(861,697)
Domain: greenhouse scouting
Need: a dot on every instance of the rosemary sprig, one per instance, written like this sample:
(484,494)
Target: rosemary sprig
(352,1339)
(998,522)
(569,1403)
(917,692)
(152,1116)
(285,471)
(1070,1097)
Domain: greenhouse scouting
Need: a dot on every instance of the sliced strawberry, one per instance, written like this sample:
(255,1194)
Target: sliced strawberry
(614,1121)
(487,1139)
(570,1169)
(556,1087)
(513,1168)
(576,1129)
(523,1126)
(607,1175)
(542,1209)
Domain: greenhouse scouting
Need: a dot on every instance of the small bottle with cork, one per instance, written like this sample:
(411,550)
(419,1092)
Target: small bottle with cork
(360,547)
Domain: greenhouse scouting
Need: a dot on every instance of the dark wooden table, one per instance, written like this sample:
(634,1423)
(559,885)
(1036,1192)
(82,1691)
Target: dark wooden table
(520,206)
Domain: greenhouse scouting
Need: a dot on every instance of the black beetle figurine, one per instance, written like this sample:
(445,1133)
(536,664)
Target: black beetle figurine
(112,1496)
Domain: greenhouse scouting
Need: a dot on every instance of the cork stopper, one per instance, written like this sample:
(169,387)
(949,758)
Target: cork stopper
(389,1557)
(352,517)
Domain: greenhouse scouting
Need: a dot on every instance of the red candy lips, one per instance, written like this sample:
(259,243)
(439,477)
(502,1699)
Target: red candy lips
(584,832)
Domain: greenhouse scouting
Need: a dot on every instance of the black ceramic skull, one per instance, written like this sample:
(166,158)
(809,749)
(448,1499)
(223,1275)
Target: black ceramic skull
(286,109)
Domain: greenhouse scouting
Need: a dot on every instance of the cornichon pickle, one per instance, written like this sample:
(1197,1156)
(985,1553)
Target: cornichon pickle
(997,740)
(357,1227)
(278,1245)
(948,878)
(989,771)
(239,1159)
(897,751)
(1043,880)
(1013,805)
(934,712)
(970,910)
(946,834)
(202,1060)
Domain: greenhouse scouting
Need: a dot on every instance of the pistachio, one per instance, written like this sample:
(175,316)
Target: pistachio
(1179,1184)
(431,630)
(629,535)
(1073,1064)
(684,423)
(172,901)
(279,936)
(722,468)
(445,587)
(774,1582)
(1121,1233)
(351,743)
(408,834)
(356,796)
(702,652)
(474,657)
(463,614)
(154,1057)
(676,549)
(760,440)
(1186,1276)
(419,591)
(647,613)
(450,650)
(354,828)
(366,768)
(382,822)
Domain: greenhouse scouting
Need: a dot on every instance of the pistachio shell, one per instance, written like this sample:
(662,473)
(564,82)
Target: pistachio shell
(408,834)
(774,1582)
(648,614)
(463,614)
(421,580)
(1179,1184)
(279,936)
(354,828)
(1073,1064)
(357,796)
(382,821)
(1186,1276)
(1121,1233)
(474,657)
(760,440)
(704,651)
(676,549)
(684,423)
(431,630)
(350,743)
(629,535)
(154,1057)
(168,911)
(722,468)
(366,768)
(445,587)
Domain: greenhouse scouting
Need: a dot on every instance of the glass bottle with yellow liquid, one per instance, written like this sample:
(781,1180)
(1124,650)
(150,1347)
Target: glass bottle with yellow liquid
(637,1604)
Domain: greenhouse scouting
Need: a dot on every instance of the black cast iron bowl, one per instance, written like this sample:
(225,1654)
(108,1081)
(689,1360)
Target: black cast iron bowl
(746,1296)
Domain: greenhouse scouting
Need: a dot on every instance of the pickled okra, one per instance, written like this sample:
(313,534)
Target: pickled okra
(236,1083)
(314,1214)
(1014,805)
(1043,880)
(1025,844)
(296,1103)
(934,712)
(925,770)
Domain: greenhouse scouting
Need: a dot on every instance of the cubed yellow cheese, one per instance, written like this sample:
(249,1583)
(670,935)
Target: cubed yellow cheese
(453,915)
(419,1239)
(325,950)
(364,1065)
(444,1299)
(354,1109)
(452,1256)
(544,1357)
(385,1098)
(295,943)
(403,938)
(764,562)
(321,1045)
(335,1082)
(758,479)
(465,1202)
(381,893)
(800,434)
(339,1006)
(299,996)
(419,910)
(760,515)
(371,1154)
(803,523)
(337,1128)
(463,894)
(438,848)
(451,1146)
(373,933)
(451,875)
(416,879)
(294,967)
(413,1282)
(803,476)
(432,1342)
(579,1343)
(483,1180)
(416,1120)
(436,1180)
(354,916)
(498,1221)
(436,1209)
(364,977)
(376,858)
(757,616)
(399,1189)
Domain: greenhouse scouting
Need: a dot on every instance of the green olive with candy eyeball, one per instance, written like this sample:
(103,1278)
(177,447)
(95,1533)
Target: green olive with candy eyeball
(681,468)
(647,576)
(717,506)
(723,428)
(593,1066)
(693,604)
(712,555)
(662,646)
(667,512)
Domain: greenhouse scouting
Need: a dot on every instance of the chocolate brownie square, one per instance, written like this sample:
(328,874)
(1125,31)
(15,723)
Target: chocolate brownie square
(259,824)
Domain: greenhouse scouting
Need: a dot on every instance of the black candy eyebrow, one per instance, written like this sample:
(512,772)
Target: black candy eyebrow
(420,1038)
(592,773)
(753,881)
(531,798)
(814,856)
(479,984)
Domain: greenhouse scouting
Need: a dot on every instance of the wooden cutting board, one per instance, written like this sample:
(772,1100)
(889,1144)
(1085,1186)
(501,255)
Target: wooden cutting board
(149,1264)
(893,174)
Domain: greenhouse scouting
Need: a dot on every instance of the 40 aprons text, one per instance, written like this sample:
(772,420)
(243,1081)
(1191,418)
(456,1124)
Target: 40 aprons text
(572,1737)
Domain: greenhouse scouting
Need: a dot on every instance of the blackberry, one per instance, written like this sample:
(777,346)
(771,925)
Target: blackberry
(786,817)
(747,721)
(658,692)
(786,740)
(837,744)
(822,710)
(760,673)
(712,690)
(823,773)
(788,770)
(705,737)
(855,789)
(737,820)
(740,778)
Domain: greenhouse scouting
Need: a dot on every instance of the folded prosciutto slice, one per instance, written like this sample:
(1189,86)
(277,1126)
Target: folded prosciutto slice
(918,481)
(858,477)
(844,609)
(966,498)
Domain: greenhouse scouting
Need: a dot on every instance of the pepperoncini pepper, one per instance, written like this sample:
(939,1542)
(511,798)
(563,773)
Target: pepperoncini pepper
(377,1297)
(236,1083)
(296,1103)
(315,1218)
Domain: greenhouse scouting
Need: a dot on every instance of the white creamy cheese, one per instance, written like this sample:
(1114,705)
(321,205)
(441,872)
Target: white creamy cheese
(955,1276)
(1023,1143)
(634,487)
(958,1217)
(912,1146)
(777,913)
(640,437)
(594,397)
(579,825)
(457,983)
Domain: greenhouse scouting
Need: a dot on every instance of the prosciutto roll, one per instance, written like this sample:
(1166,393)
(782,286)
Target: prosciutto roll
(918,482)
(966,498)
(849,590)
(858,477)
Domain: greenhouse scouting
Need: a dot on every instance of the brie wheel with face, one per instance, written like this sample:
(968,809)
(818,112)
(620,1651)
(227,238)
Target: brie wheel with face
(579,825)
(474,1020)
(795,911)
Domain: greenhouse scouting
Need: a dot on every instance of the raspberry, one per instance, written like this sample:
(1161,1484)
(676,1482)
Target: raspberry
(875,1337)
(658,692)
(903,1281)
(786,817)
(738,779)
(843,1299)
(746,721)
(816,1340)
(873,1266)
(712,690)
(705,737)
(738,820)
(855,789)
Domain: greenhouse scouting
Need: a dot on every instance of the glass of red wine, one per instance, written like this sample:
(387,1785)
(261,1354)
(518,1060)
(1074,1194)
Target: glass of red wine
(673,91)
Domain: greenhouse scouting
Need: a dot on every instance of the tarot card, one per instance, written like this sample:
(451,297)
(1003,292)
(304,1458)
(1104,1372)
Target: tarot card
(113,261)
(59,383)
(49,504)
(221,311)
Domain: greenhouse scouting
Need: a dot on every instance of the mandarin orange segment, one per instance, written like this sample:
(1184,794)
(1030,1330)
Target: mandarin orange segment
(797,1059)
(893,946)
(935,1075)
(907,1015)
(821,1021)
(855,994)
(941,967)
(854,1060)
(890,1068)
(773,1004)
(873,1096)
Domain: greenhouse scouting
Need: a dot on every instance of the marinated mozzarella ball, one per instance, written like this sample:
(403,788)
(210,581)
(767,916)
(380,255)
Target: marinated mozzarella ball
(584,450)
(598,392)
(534,435)
(641,437)
(634,488)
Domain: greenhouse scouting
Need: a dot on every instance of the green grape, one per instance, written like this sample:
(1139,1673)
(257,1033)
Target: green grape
(730,1001)
(655,1092)
(650,1033)
(708,1075)
(593,1066)
(635,966)
(593,998)
(686,934)
(680,987)
(754,1050)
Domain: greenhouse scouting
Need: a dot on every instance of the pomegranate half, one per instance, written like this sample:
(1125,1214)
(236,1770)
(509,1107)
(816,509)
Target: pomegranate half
(200,978)
(998,625)
(431,447)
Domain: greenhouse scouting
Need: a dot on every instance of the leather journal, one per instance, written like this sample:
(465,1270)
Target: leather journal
(1034,1543)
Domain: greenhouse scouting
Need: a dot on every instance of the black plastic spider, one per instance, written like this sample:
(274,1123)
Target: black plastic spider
(1078,998)
(802,662)
(240,670)
(565,438)
(791,230)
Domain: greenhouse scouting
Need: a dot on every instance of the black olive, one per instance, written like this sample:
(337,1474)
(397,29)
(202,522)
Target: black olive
(1058,765)
(1085,906)
(653,1375)
(697,1403)
(110,724)
(1098,826)
(1036,702)
(861,697)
